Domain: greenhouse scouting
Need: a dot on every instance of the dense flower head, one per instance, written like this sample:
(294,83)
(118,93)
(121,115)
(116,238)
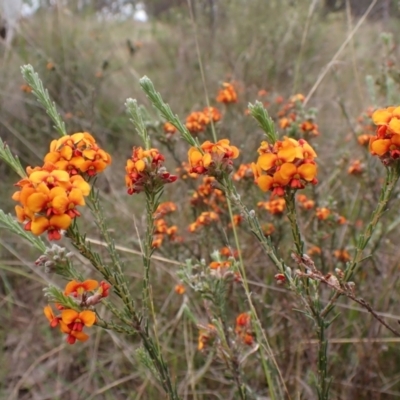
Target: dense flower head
(342,255)
(165,208)
(179,289)
(72,321)
(145,169)
(243,172)
(355,168)
(227,94)
(386,143)
(78,154)
(295,120)
(275,206)
(304,202)
(287,164)
(204,219)
(212,157)
(169,129)
(163,231)
(208,195)
(48,199)
(229,252)
(197,121)
(206,336)
(243,328)
(325,214)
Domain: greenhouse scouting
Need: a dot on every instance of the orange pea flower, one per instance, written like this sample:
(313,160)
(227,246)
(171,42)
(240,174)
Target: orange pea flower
(52,225)
(73,322)
(212,157)
(227,94)
(78,288)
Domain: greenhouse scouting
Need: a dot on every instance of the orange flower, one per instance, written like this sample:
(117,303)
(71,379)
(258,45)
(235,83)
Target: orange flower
(52,225)
(169,128)
(48,312)
(78,153)
(227,94)
(72,323)
(206,334)
(323,213)
(145,169)
(179,289)
(355,168)
(78,288)
(243,328)
(212,156)
(212,113)
(314,250)
(244,171)
(274,206)
(342,255)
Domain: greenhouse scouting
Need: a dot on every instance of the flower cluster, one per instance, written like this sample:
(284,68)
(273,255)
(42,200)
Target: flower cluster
(71,321)
(162,230)
(78,154)
(48,199)
(212,157)
(204,219)
(169,130)
(208,196)
(197,121)
(296,121)
(304,202)
(355,168)
(243,328)
(288,164)
(145,169)
(206,336)
(386,142)
(49,195)
(244,172)
(275,206)
(325,214)
(227,94)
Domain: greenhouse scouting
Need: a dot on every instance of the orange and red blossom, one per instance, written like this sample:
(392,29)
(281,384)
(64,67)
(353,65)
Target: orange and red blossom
(386,142)
(78,154)
(227,94)
(72,323)
(243,328)
(78,288)
(212,157)
(145,169)
(206,335)
(197,121)
(179,289)
(285,164)
(49,198)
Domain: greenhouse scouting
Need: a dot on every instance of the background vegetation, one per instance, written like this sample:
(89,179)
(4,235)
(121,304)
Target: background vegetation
(90,66)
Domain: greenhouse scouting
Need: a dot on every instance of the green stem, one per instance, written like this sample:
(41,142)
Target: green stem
(151,206)
(392,177)
(323,381)
(292,216)
(260,334)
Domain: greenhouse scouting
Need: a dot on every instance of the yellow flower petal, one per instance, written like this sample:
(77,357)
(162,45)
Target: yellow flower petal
(381,116)
(307,171)
(266,161)
(265,182)
(87,317)
(39,225)
(68,316)
(62,221)
(394,125)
